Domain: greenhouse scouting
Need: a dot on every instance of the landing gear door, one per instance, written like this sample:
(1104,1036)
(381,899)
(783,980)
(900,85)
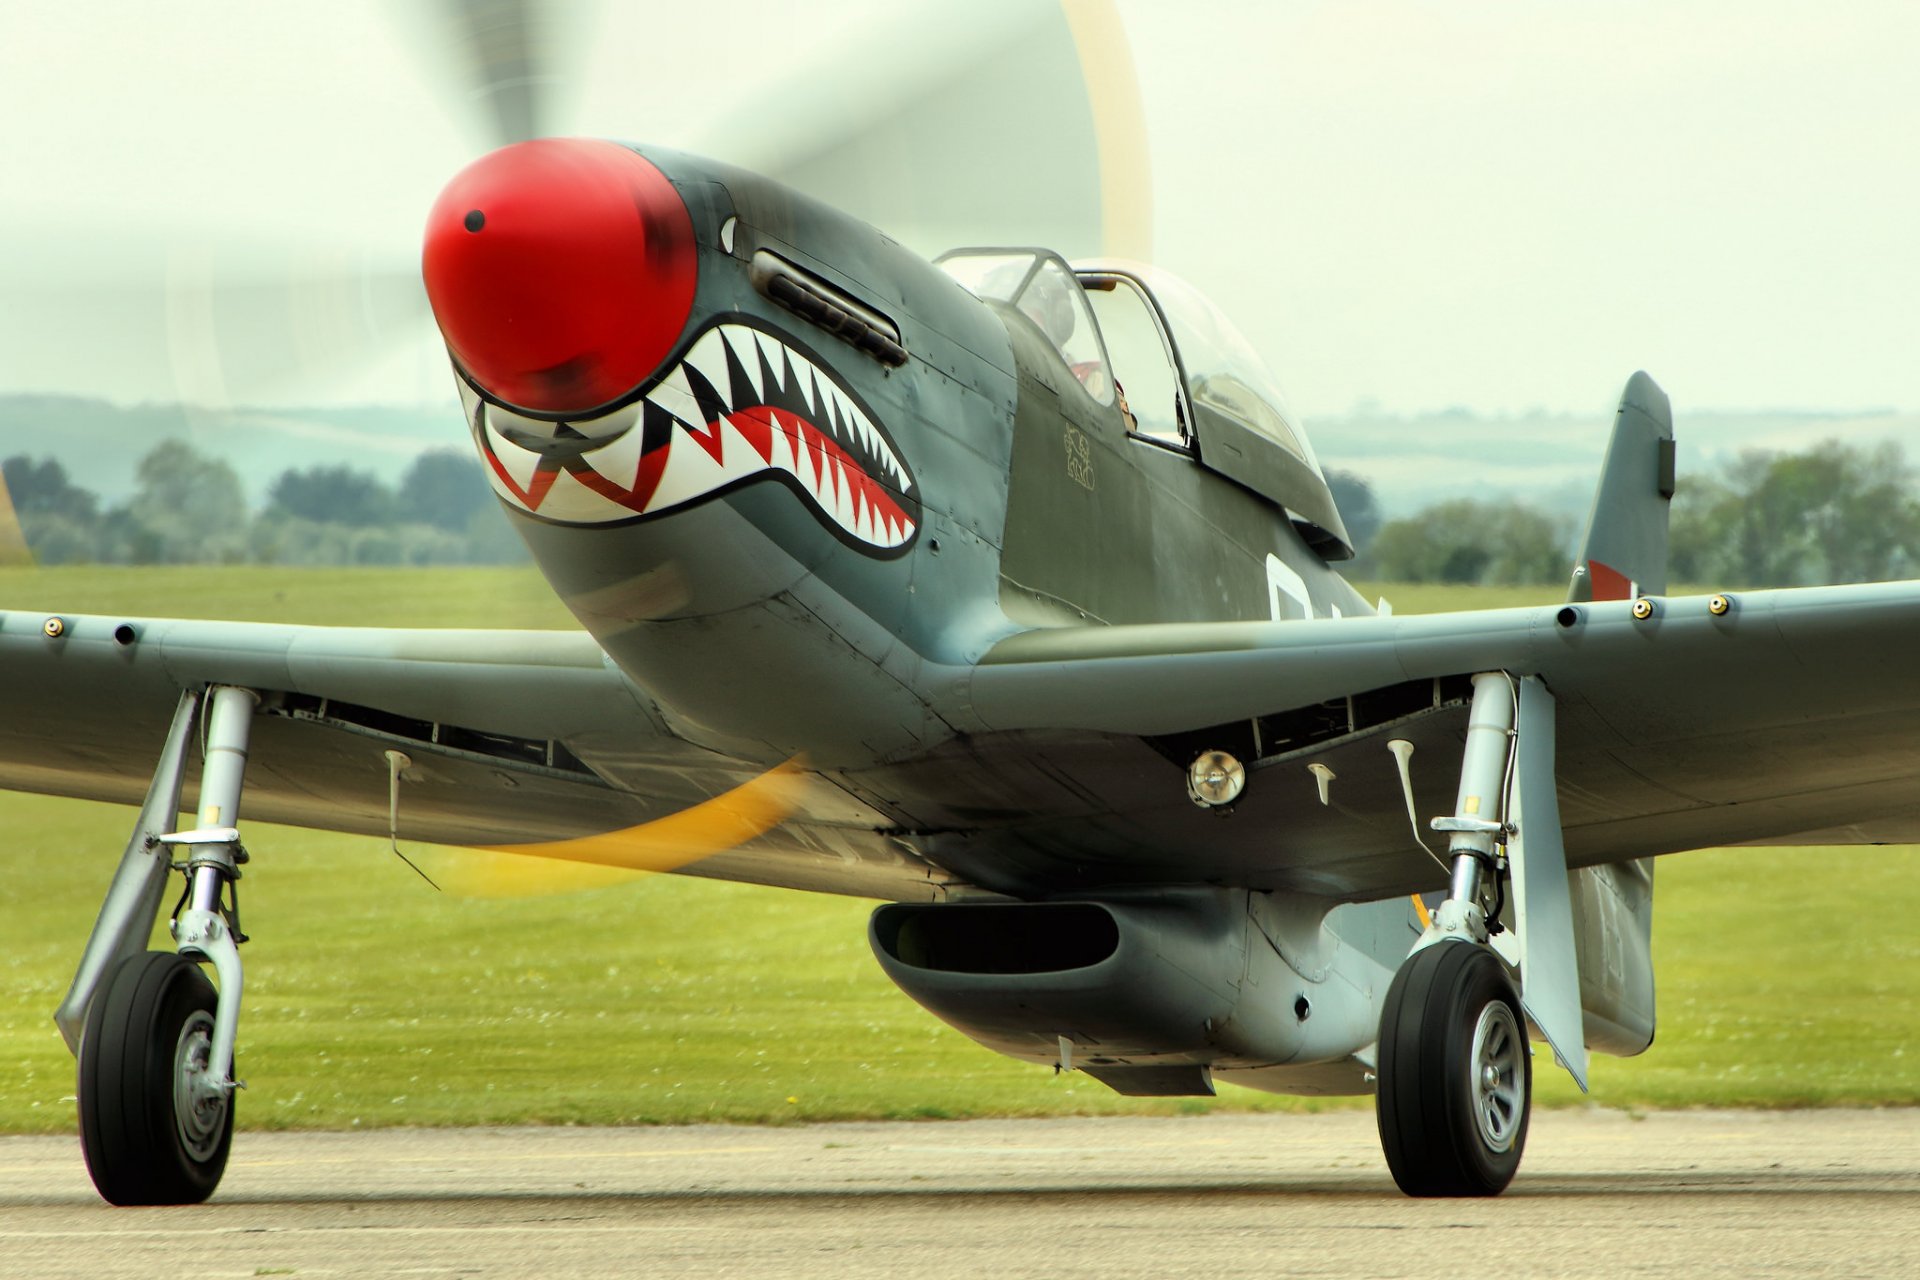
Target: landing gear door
(1543,911)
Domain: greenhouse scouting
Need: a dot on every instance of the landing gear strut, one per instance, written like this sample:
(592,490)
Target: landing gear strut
(1455,1071)
(156,1080)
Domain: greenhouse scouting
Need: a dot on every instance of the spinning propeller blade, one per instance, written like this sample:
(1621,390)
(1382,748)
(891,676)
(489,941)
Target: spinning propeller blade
(725,822)
(1003,120)
(505,49)
(1000,121)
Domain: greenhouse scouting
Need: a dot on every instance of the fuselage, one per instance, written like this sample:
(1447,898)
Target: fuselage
(840,481)
(852,473)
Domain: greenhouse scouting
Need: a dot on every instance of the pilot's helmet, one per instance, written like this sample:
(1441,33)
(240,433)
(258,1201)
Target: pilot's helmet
(1048,304)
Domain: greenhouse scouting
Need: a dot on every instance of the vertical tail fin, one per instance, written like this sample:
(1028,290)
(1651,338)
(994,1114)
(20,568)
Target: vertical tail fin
(1624,552)
(13,539)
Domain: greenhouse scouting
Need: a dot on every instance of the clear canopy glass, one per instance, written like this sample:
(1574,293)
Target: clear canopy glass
(1223,370)
(1040,287)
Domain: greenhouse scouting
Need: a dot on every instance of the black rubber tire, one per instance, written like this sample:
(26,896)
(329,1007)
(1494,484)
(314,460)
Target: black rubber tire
(136,1149)
(1429,1130)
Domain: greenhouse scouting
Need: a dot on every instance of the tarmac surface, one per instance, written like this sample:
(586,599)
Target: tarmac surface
(1600,1194)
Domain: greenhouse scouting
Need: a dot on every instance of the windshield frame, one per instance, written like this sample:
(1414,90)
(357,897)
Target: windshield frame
(1183,403)
(1188,313)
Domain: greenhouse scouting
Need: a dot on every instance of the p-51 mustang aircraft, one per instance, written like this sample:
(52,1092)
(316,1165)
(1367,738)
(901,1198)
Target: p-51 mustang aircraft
(1002,589)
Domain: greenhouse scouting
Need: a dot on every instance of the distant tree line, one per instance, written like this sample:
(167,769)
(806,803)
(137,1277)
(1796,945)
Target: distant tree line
(187,508)
(1835,513)
(1832,513)
(1468,540)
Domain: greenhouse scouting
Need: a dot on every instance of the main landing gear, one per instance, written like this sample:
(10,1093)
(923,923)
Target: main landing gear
(1455,1070)
(155,1039)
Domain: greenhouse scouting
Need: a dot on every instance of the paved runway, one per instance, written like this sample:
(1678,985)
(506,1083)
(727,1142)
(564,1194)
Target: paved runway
(1600,1194)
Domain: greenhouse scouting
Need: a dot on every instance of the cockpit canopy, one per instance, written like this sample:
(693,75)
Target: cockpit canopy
(1186,375)
(1041,287)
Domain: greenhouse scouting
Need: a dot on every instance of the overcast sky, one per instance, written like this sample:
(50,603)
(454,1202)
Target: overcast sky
(1483,203)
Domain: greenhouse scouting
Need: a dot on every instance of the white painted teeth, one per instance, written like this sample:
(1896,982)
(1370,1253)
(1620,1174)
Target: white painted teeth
(828,407)
(709,356)
(675,396)
(518,462)
(705,457)
(747,353)
(770,351)
(618,462)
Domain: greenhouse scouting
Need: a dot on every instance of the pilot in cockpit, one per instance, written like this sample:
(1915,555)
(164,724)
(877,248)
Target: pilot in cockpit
(1045,301)
(1048,300)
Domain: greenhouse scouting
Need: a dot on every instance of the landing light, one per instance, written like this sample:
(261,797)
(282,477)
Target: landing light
(1215,779)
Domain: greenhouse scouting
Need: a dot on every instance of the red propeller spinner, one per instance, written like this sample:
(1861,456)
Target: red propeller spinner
(561,271)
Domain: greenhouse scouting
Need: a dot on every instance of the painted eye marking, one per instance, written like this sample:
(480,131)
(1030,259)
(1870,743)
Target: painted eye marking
(741,405)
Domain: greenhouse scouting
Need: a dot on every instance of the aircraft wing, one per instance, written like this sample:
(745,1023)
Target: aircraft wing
(516,739)
(1789,718)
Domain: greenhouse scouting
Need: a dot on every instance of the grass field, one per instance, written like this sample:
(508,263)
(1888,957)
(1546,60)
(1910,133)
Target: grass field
(1785,976)
(464,597)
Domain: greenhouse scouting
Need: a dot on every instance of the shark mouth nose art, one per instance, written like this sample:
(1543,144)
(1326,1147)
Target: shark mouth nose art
(741,405)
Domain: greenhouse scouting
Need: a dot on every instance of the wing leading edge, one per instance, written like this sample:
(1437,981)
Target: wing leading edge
(530,741)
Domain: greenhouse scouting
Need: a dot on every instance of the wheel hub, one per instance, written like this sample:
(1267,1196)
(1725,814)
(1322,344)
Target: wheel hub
(199,1100)
(1498,1095)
